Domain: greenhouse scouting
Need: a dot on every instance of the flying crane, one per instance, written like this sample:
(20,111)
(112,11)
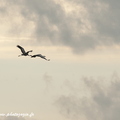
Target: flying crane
(24,53)
(39,55)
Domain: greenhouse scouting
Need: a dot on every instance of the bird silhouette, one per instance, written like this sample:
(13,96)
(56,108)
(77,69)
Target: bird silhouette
(24,53)
(39,55)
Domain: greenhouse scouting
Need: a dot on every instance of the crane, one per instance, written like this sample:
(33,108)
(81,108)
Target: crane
(24,53)
(39,55)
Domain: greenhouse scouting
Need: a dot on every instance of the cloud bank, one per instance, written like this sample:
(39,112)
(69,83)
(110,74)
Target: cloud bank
(81,25)
(103,102)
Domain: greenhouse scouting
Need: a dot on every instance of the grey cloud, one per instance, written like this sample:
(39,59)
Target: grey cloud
(81,30)
(48,81)
(103,102)
(104,15)
(47,78)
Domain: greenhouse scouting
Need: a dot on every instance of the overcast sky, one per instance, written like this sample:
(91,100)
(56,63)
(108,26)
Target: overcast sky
(81,38)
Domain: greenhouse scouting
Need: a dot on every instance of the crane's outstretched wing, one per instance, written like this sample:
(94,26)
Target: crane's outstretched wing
(21,48)
(38,55)
(29,51)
